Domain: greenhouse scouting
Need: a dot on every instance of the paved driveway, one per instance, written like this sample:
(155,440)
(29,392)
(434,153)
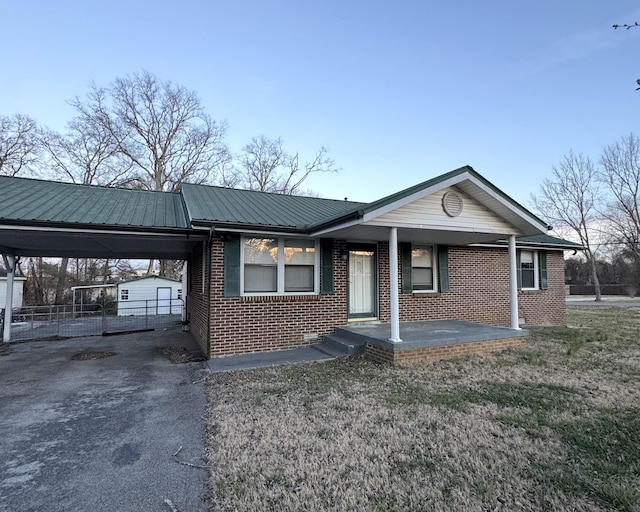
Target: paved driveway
(101,434)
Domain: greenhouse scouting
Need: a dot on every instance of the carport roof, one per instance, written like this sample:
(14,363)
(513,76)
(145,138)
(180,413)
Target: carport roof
(46,218)
(24,200)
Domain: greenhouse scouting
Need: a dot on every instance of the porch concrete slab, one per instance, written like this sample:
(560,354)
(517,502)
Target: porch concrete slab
(433,333)
(265,359)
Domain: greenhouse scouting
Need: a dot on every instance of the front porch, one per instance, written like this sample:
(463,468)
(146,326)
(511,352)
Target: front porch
(423,341)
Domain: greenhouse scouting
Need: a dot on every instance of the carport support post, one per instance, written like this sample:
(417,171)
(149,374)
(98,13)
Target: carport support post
(10,265)
(513,283)
(393,285)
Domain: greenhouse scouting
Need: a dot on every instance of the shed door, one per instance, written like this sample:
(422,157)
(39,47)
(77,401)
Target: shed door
(164,301)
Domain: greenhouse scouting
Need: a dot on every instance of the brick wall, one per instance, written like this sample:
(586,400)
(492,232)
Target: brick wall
(479,292)
(255,324)
(197,299)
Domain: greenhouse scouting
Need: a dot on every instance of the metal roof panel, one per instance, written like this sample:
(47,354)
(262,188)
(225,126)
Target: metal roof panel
(25,199)
(209,204)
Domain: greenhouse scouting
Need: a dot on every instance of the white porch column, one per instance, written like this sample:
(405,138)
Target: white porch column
(393,285)
(10,264)
(513,283)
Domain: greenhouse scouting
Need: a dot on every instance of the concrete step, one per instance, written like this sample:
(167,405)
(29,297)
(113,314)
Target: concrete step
(342,346)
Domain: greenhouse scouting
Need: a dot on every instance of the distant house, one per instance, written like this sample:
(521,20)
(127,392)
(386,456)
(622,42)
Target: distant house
(152,295)
(18,289)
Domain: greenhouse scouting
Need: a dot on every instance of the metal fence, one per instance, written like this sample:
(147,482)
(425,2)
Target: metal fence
(35,322)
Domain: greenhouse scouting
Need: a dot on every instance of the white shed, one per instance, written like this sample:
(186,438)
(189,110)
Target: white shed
(18,289)
(151,295)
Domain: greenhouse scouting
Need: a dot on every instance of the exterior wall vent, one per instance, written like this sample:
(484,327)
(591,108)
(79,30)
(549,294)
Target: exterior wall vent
(452,204)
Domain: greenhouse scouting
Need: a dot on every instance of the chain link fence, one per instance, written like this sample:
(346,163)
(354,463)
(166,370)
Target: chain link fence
(37,322)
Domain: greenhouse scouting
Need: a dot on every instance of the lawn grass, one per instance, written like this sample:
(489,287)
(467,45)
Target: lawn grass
(554,425)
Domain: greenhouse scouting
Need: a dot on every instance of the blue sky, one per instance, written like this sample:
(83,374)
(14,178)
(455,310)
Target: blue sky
(398,91)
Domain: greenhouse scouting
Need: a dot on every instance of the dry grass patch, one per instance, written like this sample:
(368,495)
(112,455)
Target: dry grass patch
(550,426)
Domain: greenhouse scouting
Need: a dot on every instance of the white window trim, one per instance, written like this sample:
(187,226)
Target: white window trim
(536,270)
(434,266)
(122,292)
(280,268)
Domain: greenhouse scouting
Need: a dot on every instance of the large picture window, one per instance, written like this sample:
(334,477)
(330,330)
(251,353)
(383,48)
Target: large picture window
(279,266)
(422,268)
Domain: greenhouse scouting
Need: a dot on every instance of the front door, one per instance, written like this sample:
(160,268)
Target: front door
(362,282)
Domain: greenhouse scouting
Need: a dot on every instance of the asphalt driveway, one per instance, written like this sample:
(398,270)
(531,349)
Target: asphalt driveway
(101,434)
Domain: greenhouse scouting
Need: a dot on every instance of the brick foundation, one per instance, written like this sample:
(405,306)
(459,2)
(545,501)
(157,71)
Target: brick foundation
(426,354)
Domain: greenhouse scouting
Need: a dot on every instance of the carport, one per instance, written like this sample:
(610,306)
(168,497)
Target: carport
(51,219)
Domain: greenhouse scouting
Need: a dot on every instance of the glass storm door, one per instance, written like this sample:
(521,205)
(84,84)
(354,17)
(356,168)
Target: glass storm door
(362,283)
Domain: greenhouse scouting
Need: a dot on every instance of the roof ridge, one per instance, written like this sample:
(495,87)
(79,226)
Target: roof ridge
(88,185)
(273,194)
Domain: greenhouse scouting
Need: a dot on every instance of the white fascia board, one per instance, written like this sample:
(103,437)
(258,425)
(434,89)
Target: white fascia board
(508,204)
(255,232)
(438,227)
(97,231)
(532,247)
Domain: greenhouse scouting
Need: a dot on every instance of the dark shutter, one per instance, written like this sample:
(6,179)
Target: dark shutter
(519,269)
(443,269)
(232,266)
(544,282)
(405,260)
(326,265)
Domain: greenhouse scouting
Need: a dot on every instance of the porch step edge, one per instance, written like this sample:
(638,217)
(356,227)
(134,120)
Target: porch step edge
(358,335)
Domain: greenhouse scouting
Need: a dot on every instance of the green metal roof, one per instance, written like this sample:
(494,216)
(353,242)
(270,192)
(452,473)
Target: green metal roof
(227,207)
(24,200)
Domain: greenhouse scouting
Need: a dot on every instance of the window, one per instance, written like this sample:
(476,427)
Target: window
(179,293)
(422,269)
(528,270)
(279,266)
(299,265)
(260,265)
(124,294)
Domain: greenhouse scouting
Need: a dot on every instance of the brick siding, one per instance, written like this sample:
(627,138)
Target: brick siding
(479,292)
(197,299)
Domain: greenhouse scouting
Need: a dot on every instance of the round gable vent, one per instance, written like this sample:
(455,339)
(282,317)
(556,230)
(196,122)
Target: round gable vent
(452,204)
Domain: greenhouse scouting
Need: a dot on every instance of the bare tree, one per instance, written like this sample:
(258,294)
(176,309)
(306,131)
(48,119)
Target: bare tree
(570,199)
(19,149)
(264,165)
(161,128)
(86,153)
(620,172)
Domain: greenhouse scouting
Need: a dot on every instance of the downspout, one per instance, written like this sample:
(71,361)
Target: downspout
(513,283)
(185,324)
(10,265)
(393,286)
(206,275)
